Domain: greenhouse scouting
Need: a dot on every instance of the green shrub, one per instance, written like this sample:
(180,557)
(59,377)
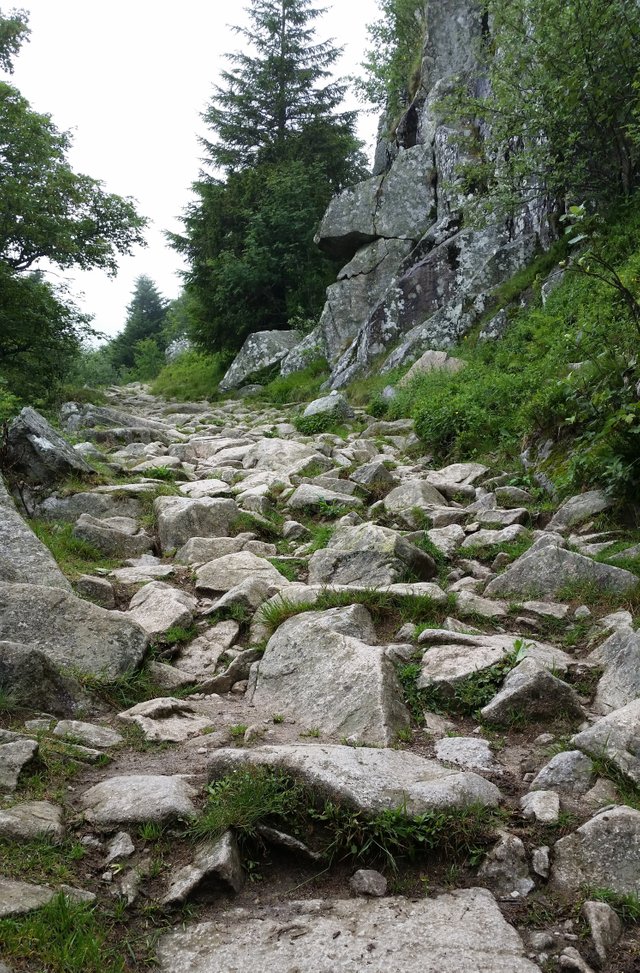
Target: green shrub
(527,386)
(192,376)
(299,387)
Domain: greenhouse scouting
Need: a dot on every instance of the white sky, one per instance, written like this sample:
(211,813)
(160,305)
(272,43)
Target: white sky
(130,78)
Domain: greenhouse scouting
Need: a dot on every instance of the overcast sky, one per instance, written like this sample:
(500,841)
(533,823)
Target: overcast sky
(130,78)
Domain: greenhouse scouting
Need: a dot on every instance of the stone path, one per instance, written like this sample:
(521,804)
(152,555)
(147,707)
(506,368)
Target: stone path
(335,613)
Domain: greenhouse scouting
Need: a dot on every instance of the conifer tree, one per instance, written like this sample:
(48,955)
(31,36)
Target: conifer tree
(279,148)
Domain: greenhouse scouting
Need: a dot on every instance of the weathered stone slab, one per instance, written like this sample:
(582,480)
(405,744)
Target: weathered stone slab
(464,930)
(545,572)
(318,670)
(24,559)
(70,632)
(368,778)
(181,518)
(40,455)
(259,352)
(135,799)
(368,555)
(617,738)
(34,819)
(34,680)
(227,572)
(603,853)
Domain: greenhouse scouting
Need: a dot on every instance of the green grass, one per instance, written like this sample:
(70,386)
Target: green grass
(249,797)
(133,687)
(192,377)
(289,569)
(385,608)
(488,552)
(300,387)
(74,556)
(323,422)
(267,528)
(40,861)
(11,700)
(467,696)
(66,937)
(521,388)
(627,906)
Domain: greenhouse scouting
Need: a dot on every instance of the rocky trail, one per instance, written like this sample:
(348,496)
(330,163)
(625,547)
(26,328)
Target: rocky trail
(308,702)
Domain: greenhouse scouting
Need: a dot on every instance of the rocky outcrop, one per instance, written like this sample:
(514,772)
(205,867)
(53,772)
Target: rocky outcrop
(415,276)
(38,455)
(24,559)
(259,352)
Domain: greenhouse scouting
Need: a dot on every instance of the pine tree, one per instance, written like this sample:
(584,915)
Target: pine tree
(145,319)
(279,149)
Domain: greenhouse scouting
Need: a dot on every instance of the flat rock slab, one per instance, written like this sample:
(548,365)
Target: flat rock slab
(158,607)
(603,853)
(72,633)
(461,931)
(35,819)
(20,898)
(227,572)
(368,778)
(136,799)
(453,657)
(546,571)
(181,518)
(166,720)
(370,556)
(100,737)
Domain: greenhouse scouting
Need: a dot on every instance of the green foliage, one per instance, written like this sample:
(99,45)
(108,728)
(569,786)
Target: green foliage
(40,860)
(284,149)
(561,116)
(522,387)
(139,346)
(251,797)
(297,387)
(73,555)
(63,937)
(133,687)
(626,905)
(314,425)
(47,212)
(393,62)
(465,698)
(191,377)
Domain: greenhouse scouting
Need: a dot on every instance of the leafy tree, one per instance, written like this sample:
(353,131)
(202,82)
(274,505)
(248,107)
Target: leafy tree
(284,149)
(145,319)
(47,212)
(393,62)
(562,113)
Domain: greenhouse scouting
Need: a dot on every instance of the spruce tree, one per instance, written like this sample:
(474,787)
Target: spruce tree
(279,148)
(145,319)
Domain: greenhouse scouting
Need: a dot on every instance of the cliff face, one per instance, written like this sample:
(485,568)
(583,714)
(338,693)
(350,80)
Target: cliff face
(415,277)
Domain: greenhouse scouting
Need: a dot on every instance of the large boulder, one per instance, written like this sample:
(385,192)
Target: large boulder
(115,537)
(371,556)
(71,633)
(33,681)
(463,930)
(368,779)
(24,559)
(38,454)
(180,518)
(319,670)
(616,738)
(157,607)
(603,853)
(259,352)
(545,572)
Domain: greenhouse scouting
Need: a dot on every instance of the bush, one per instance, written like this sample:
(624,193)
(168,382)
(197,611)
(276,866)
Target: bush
(299,387)
(567,371)
(193,375)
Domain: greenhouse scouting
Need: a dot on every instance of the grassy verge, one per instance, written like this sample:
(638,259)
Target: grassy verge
(74,556)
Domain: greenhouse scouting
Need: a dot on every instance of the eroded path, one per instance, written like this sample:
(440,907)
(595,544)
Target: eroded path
(337,708)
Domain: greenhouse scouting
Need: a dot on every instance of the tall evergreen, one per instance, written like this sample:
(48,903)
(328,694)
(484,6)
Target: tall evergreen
(145,319)
(278,149)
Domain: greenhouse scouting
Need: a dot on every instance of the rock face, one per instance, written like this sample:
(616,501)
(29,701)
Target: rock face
(415,275)
(461,931)
(259,352)
(318,670)
(71,633)
(24,559)
(38,454)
